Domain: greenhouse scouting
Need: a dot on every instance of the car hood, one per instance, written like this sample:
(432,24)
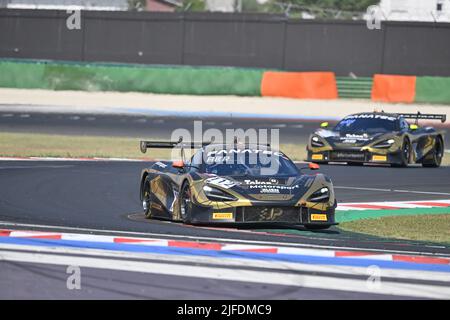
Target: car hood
(251,185)
(348,139)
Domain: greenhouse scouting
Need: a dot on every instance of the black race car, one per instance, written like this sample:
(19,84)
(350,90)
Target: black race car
(235,183)
(379,137)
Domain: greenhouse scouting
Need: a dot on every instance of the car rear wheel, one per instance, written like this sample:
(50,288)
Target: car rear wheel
(437,154)
(185,203)
(147,199)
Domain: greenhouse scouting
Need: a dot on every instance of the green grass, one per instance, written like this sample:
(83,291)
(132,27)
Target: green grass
(432,228)
(48,145)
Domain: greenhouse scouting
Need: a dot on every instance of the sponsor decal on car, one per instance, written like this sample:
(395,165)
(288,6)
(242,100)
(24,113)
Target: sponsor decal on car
(270,190)
(222,215)
(243,151)
(274,187)
(259,182)
(271,213)
(371,116)
(318,217)
(317,157)
(379,158)
(353,138)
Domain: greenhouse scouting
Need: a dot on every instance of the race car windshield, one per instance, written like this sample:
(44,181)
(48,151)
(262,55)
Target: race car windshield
(248,165)
(365,125)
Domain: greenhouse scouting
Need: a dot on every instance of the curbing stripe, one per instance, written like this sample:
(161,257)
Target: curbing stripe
(393,205)
(52,239)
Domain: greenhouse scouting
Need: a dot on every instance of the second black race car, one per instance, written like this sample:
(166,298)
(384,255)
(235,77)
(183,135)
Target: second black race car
(379,137)
(235,183)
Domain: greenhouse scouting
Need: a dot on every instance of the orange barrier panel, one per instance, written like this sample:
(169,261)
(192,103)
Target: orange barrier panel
(302,85)
(393,88)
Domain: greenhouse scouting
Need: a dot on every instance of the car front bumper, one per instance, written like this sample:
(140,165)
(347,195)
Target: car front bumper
(268,214)
(357,156)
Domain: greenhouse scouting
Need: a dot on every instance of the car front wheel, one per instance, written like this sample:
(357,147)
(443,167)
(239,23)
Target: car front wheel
(405,155)
(147,199)
(185,203)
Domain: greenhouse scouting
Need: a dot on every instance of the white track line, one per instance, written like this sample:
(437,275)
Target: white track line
(242,275)
(215,239)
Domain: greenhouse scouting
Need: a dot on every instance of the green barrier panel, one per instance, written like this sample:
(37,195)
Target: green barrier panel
(357,88)
(13,75)
(97,77)
(433,90)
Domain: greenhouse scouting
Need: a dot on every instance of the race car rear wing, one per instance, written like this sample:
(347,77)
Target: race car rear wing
(144,145)
(419,115)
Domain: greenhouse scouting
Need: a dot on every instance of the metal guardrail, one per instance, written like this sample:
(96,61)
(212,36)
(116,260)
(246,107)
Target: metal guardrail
(356,88)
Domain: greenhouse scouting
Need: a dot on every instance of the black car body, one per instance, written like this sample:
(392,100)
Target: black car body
(378,137)
(219,185)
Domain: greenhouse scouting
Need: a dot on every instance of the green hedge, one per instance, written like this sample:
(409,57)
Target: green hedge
(433,90)
(104,77)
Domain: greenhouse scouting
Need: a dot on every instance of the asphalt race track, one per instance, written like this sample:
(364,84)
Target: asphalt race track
(141,126)
(105,195)
(103,198)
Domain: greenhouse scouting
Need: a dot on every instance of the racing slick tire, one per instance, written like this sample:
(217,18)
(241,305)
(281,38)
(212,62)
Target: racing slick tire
(405,155)
(436,155)
(147,199)
(185,203)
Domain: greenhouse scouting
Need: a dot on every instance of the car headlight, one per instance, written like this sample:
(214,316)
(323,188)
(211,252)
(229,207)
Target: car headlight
(321,195)
(385,144)
(316,142)
(215,194)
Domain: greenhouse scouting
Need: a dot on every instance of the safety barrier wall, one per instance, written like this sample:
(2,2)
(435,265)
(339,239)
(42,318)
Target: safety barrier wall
(433,90)
(104,77)
(219,81)
(166,79)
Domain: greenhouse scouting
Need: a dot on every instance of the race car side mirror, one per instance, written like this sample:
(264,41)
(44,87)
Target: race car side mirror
(313,166)
(413,127)
(324,125)
(178,164)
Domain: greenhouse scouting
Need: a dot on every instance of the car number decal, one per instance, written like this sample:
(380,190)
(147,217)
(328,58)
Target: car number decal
(221,182)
